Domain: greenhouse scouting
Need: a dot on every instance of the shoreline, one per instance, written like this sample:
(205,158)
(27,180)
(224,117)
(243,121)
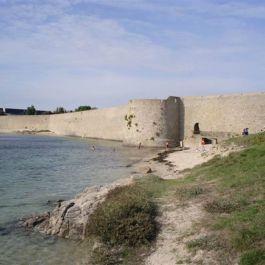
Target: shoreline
(69,218)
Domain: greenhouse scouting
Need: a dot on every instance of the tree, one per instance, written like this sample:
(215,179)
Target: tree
(31,110)
(82,108)
(60,110)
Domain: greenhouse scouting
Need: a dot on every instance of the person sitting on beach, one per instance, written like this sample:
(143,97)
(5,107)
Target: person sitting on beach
(245,131)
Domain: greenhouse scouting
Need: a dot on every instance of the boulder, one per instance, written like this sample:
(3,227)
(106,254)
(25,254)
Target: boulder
(69,219)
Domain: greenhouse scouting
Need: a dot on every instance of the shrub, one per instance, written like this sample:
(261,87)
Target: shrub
(60,110)
(221,206)
(82,108)
(126,217)
(31,110)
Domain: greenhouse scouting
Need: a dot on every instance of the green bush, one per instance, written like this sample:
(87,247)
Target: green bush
(31,110)
(82,108)
(126,217)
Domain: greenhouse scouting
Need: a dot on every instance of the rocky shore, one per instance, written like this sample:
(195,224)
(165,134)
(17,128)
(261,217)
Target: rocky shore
(69,218)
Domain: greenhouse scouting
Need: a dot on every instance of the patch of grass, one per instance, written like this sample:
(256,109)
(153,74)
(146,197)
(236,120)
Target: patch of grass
(107,256)
(156,187)
(249,140)
(212,242)
(221,206)
(238,205)
(126,217)
(253,257)
(186,193)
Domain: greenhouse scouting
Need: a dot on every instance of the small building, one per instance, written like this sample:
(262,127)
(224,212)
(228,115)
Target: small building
(10,111)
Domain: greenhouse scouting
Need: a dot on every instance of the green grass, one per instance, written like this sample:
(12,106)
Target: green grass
(237,208)
(206,242)
(253,257)
(249,140)
(233,191)
(188,192)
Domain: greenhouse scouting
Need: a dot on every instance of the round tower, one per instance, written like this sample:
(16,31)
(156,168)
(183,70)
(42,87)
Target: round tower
(152,122)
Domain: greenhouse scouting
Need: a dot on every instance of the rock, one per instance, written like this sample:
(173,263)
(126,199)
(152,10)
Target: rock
(149,171)
(69,219)
(144,170)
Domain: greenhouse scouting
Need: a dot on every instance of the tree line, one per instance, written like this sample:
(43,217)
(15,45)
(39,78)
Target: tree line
(31,110)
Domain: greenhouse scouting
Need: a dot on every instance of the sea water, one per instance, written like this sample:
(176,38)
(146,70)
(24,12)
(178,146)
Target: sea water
(36,171)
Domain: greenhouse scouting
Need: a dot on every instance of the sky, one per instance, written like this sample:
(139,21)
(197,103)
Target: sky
(103,53)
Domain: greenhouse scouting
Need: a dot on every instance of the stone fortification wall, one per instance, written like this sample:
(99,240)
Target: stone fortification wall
(14,123)
(103,123)
(152,122)
(222,115)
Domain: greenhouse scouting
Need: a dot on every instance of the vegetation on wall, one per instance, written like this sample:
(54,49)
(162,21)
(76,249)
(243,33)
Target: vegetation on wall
(129,119)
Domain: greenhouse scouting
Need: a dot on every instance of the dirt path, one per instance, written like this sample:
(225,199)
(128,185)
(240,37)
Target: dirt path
(176,224)
(178,220)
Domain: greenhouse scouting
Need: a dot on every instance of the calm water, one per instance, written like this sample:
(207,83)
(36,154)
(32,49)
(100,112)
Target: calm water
(38,169)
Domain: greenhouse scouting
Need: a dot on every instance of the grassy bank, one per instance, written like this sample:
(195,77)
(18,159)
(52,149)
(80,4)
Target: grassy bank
(231,189)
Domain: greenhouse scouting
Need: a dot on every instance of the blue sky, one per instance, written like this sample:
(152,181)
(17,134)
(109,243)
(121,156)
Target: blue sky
(105,52)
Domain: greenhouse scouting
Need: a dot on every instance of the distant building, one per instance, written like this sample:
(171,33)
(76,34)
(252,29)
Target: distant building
(10,111)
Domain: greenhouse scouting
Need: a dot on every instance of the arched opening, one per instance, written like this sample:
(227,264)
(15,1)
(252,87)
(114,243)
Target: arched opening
(196,129)
(207,140)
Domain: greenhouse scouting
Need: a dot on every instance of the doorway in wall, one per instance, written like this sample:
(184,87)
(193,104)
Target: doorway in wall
(196,129)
